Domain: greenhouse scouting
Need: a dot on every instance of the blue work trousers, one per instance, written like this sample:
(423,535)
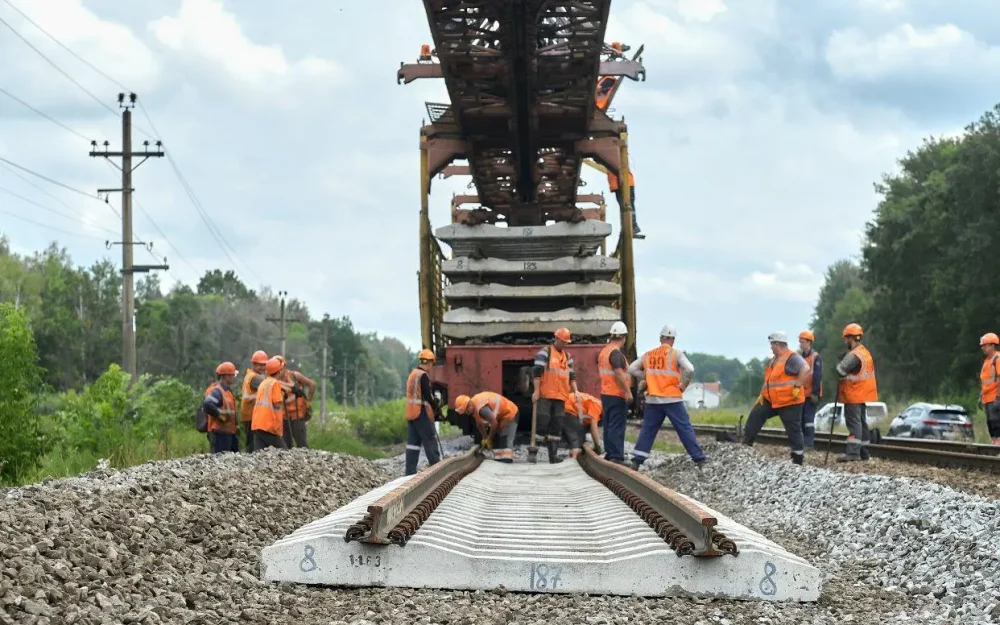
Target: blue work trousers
(652,419)
(223,442)
(809,424)
(615,415)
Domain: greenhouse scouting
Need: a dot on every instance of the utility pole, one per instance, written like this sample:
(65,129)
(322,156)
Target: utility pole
(355,385)
(345,382)
(129,269)
(281,321)
(322,380)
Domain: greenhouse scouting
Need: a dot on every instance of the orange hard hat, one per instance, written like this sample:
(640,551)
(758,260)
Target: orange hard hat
(462,403)
(226,368)
(259,357)
(853,329)
(563,334)
(281,359)
(275,365)
(807,335)
(989,338)
(425,354)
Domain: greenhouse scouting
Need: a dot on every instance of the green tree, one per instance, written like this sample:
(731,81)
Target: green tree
(22,442)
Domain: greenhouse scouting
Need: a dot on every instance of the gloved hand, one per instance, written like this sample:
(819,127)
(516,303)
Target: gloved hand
(486,444)
(760,400)
(796,392)
(814,399)
(597,448)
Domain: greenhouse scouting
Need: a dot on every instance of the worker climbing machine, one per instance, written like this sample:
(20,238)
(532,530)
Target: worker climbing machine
(586,526)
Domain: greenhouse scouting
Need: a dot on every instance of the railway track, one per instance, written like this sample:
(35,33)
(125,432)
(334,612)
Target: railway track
(953,454)
(584,525)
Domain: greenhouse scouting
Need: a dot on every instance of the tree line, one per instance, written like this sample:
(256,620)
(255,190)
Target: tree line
(923,286)
(75,317)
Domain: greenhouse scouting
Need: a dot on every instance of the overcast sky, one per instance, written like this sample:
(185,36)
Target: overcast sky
(755,142)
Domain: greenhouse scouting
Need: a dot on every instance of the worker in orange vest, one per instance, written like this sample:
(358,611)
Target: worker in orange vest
(251,382)
(665,372)
(857,386)
(615,186)
(813,386)
(616,392)
(268,420)
(554,380)
(297,404)
(493,414)
(782,395)
(577,426)
(989,378)
(220,407)
(420,414)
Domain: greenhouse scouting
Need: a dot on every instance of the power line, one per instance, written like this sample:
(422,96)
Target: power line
(57,68)
(162,234)
(49,180)
(50,227)
(52,210)
(45,115)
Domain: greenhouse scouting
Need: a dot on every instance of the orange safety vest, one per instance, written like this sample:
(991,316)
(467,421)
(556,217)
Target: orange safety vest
(249,396)
(503,409)
(989,378)
(415,403)
(609,381)
(269,408)
(663,376)
(295,406)
(228,408)
(779,386)
(591,406)
(555,378)
(860,387)
(808,386)
(613,181)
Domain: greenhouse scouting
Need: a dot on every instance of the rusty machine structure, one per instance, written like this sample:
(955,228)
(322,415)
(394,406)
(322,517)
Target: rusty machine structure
(529,83)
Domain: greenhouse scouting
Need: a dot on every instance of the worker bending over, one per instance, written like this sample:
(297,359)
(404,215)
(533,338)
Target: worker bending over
(577,423)
(989,378)
(251,382)
(554,380)
(420,415)
(664,372)
(297,403)
(813,386)
(857,386)
(616,392)
(781,395)
(220,407)
(493,413)
(268,419)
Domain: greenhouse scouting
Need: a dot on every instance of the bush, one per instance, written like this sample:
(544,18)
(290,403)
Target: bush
(22,439)
(380,424)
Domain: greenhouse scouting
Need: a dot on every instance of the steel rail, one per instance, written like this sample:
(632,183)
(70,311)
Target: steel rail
(685,526)
(953,454)
(394,517)
(931,444)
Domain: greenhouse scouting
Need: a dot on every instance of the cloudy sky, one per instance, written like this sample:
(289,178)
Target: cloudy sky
(755,142)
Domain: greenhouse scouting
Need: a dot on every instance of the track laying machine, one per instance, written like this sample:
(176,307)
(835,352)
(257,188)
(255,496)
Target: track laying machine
(530,84)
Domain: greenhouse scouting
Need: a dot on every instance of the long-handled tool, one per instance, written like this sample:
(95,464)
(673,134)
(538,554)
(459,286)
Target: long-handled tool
(532,448)
(833,422)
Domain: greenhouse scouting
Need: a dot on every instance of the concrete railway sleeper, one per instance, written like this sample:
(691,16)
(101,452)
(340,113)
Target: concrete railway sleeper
(587,526)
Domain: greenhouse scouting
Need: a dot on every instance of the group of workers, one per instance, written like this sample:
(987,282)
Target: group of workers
(274,406)
(791,390)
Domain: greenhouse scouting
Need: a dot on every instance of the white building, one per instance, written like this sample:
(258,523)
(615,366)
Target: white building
(703,395)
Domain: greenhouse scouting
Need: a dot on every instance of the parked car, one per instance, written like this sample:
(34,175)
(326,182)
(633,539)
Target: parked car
(940,421)
(875,411)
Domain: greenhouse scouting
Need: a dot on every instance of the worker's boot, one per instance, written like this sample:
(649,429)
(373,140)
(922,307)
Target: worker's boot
(554,452)
(797,458)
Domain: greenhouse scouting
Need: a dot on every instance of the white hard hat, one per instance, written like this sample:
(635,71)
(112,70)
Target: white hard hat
(777,337)
(619,328)
(668,331)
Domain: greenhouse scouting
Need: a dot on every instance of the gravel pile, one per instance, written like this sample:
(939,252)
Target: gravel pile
(168,542)
(934,550)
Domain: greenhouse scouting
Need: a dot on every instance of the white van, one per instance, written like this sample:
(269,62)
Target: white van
(876,411)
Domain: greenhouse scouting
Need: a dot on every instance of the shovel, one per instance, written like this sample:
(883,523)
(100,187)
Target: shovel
(532,449)
(833,421)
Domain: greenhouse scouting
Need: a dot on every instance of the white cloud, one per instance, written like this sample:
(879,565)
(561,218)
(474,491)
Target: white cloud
(204,31)
(907,50)
(700,10)
(795,282)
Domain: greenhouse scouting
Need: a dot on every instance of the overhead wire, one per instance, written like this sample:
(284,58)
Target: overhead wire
(49,226)
(43,114)
(26,170)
